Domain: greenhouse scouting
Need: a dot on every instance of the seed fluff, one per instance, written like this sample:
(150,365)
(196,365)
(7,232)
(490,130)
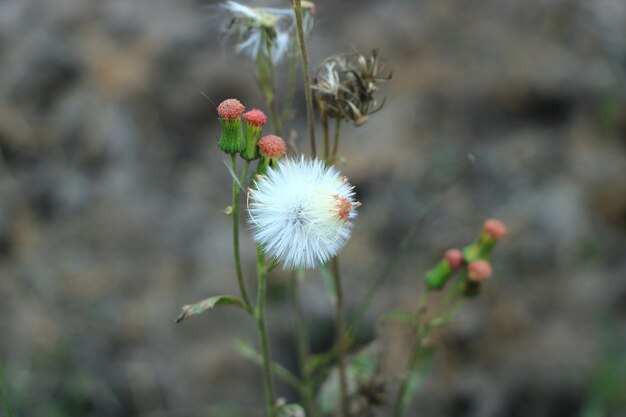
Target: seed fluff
(301,212)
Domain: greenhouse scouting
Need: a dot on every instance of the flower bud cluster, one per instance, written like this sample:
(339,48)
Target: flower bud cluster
(473,260)
(345,86)
(247,142)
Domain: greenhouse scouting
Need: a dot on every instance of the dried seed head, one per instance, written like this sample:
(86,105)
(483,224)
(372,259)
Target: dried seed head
(266,31)
(346,85)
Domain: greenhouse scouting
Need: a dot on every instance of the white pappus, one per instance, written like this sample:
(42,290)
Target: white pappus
(301,212)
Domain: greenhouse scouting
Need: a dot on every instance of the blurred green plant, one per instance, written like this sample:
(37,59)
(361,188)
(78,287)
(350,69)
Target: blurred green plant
(4,395)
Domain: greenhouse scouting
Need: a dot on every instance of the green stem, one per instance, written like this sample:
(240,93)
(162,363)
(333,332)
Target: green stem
(391,263)
(402,402)
(341,342)
(235,214)
(259,313)
(333,156)
(297,8)
(4,395)
(302,341)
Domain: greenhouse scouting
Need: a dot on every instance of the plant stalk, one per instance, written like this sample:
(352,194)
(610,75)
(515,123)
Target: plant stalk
(297,8)
(236,254)
(341,342)
(302,342)
(259,313)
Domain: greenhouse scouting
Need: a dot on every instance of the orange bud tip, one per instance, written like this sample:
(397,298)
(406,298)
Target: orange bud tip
(272,146)
(494,228)
(454,258)
(230,109)
(479,270)
(255,117)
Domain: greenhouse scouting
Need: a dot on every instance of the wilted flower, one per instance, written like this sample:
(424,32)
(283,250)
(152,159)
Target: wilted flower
(264,30)
(300,212)
(346,84)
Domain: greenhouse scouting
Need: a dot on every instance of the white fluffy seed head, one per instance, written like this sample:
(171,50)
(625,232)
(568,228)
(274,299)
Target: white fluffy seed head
(300,212)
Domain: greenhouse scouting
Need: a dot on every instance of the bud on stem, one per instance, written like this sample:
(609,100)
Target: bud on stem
(231,140)
(437,277)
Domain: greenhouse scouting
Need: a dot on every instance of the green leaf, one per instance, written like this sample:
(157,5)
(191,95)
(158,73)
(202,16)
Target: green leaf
(208,303)
(399,315)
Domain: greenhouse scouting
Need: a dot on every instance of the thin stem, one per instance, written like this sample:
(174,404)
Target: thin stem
(341,342)
(401,402)
(237,257)
(259,313)
(302,341)
(4,395)
(392,262)
(297,8)
(333,156)
(326,138)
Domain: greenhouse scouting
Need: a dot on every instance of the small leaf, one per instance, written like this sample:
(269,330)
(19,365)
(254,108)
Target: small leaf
(208,303)
(399,315)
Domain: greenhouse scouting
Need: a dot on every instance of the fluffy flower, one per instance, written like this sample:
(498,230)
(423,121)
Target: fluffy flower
(301,212)
(265,30)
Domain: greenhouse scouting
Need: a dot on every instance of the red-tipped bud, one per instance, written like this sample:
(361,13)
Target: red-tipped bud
(495,229)
(272,146)
(479,270)
(255,117)
(230,109)
(454,258)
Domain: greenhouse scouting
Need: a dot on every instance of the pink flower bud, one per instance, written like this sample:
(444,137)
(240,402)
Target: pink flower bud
(255,117)
(272,146)
(479,270)
(495,229)
(230,109)
(454,258)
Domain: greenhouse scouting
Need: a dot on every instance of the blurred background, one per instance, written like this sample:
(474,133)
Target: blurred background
(112,190)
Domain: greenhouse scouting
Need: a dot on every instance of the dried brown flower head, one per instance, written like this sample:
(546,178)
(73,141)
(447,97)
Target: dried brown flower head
(346,84)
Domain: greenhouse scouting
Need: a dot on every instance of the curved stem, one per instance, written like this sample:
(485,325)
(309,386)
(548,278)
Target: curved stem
(236,255)
(392,262)
(297,8)
(259,313)
(341,342)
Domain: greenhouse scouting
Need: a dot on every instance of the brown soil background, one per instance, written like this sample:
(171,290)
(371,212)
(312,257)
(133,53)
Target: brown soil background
(112,187)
